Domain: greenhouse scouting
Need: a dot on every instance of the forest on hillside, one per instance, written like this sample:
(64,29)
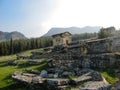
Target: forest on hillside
(16,46)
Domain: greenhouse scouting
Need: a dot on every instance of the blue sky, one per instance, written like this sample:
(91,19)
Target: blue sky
(25,16)
(35,17)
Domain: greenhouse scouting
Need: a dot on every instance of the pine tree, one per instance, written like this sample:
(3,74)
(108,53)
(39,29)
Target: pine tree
(11,46)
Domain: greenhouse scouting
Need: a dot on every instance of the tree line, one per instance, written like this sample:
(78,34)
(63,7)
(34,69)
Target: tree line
(82,36)
(106,32)
(103,33)
(16,46)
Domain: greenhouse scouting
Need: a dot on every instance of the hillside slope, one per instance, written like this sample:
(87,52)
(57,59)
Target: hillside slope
(73,30)
(5,36)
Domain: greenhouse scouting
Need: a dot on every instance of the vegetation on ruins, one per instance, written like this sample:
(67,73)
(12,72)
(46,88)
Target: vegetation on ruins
(106,32)
(109,75)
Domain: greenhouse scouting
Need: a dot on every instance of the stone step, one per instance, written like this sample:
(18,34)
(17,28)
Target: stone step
(57,82)
(81,79)
(95,85)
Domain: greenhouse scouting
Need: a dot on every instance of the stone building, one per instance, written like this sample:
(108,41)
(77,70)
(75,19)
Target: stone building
(62,38)
(95,53)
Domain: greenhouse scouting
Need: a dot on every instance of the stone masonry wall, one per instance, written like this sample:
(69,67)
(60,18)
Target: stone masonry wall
(107,45)
(100,61)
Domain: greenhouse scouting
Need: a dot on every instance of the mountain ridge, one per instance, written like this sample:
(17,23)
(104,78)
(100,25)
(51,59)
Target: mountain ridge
(73,30)
(15,35)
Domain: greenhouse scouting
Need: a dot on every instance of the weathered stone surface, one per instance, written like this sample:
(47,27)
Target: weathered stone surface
(49,62)
(117,85)
(50,75)
(100,61)
(57,82)
(52,70)
(32,71)
(95,85)
(11,62)
(27,78)
(66,73)
(38,80)
(84,72)
(76,69)
(86,63)
(54,82)
(43,73)
(56,75)
(34,61)
(58,70)
(81,79)
(61,48)
(96,76)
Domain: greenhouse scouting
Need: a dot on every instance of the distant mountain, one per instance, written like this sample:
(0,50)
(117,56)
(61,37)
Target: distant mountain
(73,30)
(5,36)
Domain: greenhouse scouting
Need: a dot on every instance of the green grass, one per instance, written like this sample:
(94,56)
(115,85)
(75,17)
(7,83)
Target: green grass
(28,52)
(109,77)
(108,74)
(6,82)
(7,71)
(5,58)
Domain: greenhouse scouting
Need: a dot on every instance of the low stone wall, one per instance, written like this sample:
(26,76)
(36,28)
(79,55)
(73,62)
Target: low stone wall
(100,61)
(106,45)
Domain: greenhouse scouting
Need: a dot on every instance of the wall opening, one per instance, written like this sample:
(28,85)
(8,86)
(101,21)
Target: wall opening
(83,50)
(67,42)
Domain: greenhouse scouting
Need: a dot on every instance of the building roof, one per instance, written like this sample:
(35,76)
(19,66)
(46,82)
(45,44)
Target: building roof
(61,34)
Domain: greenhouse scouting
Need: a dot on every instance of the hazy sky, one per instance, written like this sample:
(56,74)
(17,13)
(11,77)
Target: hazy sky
(35,17)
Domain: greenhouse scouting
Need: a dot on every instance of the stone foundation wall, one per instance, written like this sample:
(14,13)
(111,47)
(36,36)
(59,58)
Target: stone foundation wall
(107,45)
(100,61)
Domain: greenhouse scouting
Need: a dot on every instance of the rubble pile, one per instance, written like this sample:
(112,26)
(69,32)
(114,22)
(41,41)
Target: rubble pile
(95,85)
(53,79)
(70,65)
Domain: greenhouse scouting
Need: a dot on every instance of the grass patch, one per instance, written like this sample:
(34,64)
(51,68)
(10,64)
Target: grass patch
(109,75)
(28,52)
(110,78)
(5,58)
(6,82)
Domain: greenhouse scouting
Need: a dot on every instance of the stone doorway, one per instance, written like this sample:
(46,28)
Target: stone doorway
(67,42)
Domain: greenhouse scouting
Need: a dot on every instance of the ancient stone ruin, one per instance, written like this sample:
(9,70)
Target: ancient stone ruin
(72,64)
(62,38)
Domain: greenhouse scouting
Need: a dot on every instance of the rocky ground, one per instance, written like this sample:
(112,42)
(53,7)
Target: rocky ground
(66,76)
(59,79)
